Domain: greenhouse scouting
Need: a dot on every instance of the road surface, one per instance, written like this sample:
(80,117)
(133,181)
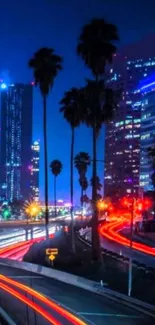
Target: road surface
(90,308)
(125,251)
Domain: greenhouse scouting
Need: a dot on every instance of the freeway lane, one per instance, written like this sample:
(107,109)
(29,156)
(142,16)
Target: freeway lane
(115,247)
(91,308)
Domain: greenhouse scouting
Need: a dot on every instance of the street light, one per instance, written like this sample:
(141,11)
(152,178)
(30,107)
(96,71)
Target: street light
(32,209)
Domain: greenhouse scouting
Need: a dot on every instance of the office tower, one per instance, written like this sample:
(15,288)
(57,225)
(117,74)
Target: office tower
(34,171)
(122,141)
(147,134)
(16,139)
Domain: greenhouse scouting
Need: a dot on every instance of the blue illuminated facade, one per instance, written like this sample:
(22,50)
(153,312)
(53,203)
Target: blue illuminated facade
(34,171)
(123,135)
(15,141)
(147,136)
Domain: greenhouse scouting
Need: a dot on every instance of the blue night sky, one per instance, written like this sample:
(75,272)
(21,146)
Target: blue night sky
(30,24)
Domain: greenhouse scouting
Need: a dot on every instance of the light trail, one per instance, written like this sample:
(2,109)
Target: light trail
(18,250)
(30,303)
(41,298)
(110,231)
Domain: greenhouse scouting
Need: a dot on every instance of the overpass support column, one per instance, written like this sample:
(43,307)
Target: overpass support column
(31,232)
(26,234)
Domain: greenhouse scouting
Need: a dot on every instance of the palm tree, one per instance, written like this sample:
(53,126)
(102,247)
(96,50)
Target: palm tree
(85,199)
(96,47)
(82,162)
(99,104)
(56,168)
(46,65)
(97,182)
(72,112)
(84,185)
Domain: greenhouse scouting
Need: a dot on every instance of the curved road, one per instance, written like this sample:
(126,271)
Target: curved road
(91,308)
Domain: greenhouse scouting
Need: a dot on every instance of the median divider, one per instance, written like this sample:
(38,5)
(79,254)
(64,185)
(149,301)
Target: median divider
(89,285)
(5,318)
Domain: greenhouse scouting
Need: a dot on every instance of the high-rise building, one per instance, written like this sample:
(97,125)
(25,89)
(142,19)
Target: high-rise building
(34,171)
(15,140)
(147,134)
(122,141)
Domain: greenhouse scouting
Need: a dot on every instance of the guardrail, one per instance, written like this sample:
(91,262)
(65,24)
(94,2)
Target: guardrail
(92,286)
(82,236)
(5,318)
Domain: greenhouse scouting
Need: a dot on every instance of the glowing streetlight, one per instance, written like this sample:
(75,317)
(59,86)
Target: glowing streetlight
(32,209)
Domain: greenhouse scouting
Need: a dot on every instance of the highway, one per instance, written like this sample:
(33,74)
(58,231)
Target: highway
(111,240)
(83,307)
(17,249)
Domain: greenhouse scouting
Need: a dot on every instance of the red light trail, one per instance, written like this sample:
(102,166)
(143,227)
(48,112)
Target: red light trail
(7,284)
(18,250)
(110,231)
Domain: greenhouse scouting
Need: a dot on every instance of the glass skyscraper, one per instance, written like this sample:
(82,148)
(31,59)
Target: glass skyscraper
(147,134)
(123,134)
(34,171)
(15,140)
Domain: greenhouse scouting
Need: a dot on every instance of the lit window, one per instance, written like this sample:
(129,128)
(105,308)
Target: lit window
(128,136)
(128,127)
(128,190)
(127,121)
(145,136)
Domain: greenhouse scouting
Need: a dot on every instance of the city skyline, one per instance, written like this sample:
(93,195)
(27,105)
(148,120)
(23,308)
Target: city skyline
(27,36)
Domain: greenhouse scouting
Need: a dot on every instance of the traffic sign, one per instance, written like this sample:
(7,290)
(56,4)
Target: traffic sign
(51,258)
(51,251)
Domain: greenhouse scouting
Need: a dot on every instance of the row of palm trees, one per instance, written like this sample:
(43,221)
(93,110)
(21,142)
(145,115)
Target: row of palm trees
(92,105)
(81,161)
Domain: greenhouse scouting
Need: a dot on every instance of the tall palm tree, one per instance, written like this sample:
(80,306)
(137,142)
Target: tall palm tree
(84,185)
(96,46)
(82,162)
(56,168)
(45,65)
(72,112)
(99,104)
(98,184)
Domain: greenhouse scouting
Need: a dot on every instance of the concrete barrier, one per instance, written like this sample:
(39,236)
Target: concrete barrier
(89,285)
(5,318)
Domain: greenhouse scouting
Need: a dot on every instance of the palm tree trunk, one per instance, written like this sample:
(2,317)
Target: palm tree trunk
(71,190)
(95,234)
(45,165)
(55,198)
(82,200)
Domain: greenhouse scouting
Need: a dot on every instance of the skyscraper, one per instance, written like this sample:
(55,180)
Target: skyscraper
(147,134)
(122,146)
(34,170)
(16,138)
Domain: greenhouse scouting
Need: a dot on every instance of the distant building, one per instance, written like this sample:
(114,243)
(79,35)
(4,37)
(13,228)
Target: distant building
(34,171)
(15,140)
(147,134)
(122,139)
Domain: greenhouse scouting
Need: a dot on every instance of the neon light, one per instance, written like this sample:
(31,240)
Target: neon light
(146,86)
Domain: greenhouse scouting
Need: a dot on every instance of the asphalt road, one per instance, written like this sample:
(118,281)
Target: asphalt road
(120,249)
(93,309)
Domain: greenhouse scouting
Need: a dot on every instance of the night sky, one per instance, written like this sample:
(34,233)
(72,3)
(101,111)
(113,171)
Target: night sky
(27,25)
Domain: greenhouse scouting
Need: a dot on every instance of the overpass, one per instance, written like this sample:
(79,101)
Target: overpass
(58,302)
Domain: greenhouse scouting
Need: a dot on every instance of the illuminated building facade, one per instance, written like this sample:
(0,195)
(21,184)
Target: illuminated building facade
(16,138)
(123,134)
(34,171)
(147,134)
